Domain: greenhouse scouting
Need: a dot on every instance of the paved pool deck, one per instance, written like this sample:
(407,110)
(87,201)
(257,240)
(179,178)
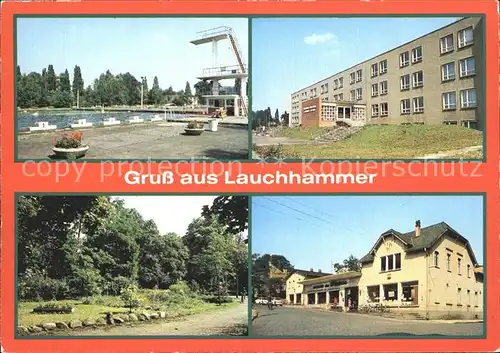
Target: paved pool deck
(163,140)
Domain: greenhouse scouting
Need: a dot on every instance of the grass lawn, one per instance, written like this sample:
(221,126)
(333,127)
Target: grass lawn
(104,304)
(385,142)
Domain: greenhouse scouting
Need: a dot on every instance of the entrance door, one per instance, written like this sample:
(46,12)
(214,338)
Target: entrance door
(414,295)
(353,294)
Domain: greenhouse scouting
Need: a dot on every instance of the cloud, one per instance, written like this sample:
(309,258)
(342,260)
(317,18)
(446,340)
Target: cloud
(315,38)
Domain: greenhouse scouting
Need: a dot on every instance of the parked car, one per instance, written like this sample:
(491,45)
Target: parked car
(260,301)
(277,302)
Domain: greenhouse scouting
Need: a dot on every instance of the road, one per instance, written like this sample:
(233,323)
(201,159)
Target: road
(230,321)
(285,321)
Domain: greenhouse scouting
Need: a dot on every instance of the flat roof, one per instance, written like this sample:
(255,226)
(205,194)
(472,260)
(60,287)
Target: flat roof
(387,51)
(335,277)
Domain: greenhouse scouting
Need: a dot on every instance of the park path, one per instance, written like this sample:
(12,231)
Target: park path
(227,321)
(451,153)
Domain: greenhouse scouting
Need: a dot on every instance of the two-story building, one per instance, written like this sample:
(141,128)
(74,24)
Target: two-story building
(431,272)
(435,79)
(294,287)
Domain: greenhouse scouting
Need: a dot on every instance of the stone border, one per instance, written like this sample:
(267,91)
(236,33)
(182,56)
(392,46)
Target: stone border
(109,319)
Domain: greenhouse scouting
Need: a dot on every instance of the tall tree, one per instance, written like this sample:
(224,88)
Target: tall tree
(78,86)
(64,82)
(155,94)
(349,264)
(51,79)
(276,116)
(202,88)
(230,210)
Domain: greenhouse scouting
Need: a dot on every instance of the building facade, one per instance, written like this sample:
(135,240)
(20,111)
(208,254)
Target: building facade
(294,286)
(435,79)
(431,273)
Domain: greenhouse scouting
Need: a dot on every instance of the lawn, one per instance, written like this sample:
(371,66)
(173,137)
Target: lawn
(385,142)
(99,306)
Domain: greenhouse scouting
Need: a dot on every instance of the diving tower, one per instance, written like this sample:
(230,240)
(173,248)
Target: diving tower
(235,103)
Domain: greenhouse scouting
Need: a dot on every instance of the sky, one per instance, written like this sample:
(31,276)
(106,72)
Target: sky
(289,54)
(142,46)
(170,213)
(313,231)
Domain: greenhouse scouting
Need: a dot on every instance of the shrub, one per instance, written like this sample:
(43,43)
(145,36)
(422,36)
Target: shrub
(40,288)
(52,306)
(117,285)
(69,140)
(273,152)
(217,300)
(195,124)
(85,283)
(130,297)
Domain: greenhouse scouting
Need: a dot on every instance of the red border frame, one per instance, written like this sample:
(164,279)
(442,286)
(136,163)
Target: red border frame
(31,177)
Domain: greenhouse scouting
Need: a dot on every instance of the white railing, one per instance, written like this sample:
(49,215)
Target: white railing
(223,30)
(223,71)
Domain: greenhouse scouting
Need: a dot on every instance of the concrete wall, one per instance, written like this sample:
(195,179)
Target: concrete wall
(432,89)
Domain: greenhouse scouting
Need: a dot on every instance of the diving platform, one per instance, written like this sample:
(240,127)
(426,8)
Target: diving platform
(223,73)
(211,35)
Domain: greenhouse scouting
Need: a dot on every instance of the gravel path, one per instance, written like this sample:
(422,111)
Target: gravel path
(228,321)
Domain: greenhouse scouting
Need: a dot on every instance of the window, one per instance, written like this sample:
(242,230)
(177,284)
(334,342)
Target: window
(384,109)
(326,88)
(375,90)
(468,271)
(465,37)
(390,262)
(475,299)
(468,297)
(405,82)
(374,70)
(383,87)
(359,75)
(352,78)
(352,95)
(404,59)
(374,110)
(341,96)
(459,266)
(448,72)
(405,106)
(335,84)
(418,79)
(436,259)
(416,55)
(383,67)
(335,97)
(467,67)
(341,82)
(446,44)
(418,105)
(448,262)
(449,101)
(359,94)
(459,296)
(468,98)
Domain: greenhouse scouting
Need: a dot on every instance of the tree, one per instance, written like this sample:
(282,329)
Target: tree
(277,116)
(155,94)
(261,270)
(349,264)
(230,210)
(51,79)
(78,85)
(202,88)
(64,83)
(285,118)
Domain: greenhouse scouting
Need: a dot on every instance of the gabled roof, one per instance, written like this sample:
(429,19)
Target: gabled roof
(335,277)
(428,237)
(305,273)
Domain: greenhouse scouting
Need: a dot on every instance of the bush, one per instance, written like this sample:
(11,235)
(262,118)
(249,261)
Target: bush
(117,285)
(273,152)
(52,306)
(39,288)
(85,283)
(217,300)
(130,297)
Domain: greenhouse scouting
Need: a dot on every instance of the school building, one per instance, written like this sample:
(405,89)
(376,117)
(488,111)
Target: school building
(435,79)
(430,273)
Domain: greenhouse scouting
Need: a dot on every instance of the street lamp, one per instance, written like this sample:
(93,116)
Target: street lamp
(142,91)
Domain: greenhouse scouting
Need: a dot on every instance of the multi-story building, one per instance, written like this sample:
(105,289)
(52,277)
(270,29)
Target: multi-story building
(435,79)
(431,272)
(294,287)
